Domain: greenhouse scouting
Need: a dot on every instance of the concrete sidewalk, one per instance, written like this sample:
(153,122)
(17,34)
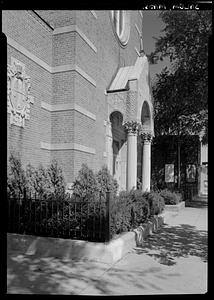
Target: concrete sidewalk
(172,261)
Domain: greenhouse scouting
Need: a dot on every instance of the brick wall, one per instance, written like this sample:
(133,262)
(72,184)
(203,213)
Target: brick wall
(27,140)
(26,30)
(67,87)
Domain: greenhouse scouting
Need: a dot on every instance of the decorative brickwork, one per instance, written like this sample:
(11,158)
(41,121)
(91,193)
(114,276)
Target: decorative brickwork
(18,93)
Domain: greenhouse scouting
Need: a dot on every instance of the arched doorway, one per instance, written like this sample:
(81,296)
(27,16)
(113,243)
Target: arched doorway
(118,148)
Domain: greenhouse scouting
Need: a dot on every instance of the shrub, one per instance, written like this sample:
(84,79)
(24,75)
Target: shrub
(85,186)
(106,182)
(170,197)
(120,213)
(40,182)
(156,203)
(128,210)
(16,179)
(56,180)
(140,207)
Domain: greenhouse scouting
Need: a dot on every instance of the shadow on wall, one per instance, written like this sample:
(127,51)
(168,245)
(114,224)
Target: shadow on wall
(176,241)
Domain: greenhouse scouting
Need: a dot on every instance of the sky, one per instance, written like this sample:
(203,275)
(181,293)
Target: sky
(152,26)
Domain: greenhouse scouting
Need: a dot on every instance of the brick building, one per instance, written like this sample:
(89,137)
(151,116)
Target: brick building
(79,91)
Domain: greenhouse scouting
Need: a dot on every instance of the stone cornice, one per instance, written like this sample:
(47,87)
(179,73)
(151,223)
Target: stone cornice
(66,107)
(75,28)
(44,65)
(67,146)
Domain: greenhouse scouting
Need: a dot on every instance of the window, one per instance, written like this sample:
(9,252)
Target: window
(121,24)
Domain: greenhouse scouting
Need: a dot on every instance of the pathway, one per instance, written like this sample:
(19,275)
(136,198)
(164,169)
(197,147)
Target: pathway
(172,261)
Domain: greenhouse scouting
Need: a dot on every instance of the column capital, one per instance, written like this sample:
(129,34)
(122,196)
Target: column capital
(146,136)
(132,127)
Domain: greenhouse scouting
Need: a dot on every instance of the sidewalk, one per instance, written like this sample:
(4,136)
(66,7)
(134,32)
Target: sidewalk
(172,261)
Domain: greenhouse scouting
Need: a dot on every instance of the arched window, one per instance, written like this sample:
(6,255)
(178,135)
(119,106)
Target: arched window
(121,23)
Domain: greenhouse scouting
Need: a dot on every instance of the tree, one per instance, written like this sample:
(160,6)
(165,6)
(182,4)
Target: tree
(181,90)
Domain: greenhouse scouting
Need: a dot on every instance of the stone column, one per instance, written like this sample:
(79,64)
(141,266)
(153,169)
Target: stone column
(132,130)
(146,162)
(109,145)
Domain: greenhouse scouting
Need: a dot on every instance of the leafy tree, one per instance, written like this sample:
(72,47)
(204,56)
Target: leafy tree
(181,90)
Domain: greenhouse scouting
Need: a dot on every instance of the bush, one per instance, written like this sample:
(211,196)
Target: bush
(120,213)
(85,186)
(16,179)
(128,210)
(170,197)
(131,209)
(156,202)
(56,180)
(37,182)
(106,182)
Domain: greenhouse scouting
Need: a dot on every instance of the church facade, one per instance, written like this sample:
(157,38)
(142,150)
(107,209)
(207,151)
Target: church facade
(78,91)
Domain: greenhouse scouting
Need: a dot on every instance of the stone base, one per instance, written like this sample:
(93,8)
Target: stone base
(176,207)
(71,249)
(202,198)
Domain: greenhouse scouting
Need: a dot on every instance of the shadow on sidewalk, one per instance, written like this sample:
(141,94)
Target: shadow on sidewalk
(32,275)
(175,241)
(29,275)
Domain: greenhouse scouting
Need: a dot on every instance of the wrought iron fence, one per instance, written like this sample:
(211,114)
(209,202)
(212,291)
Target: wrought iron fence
(71,218)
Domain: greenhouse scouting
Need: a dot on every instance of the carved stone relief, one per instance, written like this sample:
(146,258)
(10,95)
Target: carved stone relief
(18,93)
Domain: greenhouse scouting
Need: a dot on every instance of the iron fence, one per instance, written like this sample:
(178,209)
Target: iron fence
(72,218)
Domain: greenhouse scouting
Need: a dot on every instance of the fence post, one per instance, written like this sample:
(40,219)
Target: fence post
(108,222)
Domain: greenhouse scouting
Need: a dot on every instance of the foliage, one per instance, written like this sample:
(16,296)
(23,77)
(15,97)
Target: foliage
(106,182)
(156,202)
(85,186)
(170,197)
(80,212)
(120,213)
(16,179)
(37,182)
(181,92)
(133,208)
(56,179)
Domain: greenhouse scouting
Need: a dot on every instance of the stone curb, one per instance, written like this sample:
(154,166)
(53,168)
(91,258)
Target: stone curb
(176,207)
(142,232)
(82,250)
(66,249)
